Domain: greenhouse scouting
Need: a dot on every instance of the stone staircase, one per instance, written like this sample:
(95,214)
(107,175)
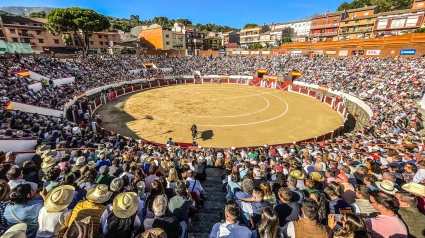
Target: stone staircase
(210,213)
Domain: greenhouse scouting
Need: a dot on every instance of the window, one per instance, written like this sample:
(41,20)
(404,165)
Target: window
(411,21)
(366,14)
(90,35)
(420,5)
(167,36)
(167,43)
(100,36)
(382,24)
(356,21)
(56,41)
(91,42)
(113,37)
(101,43)
(12,31)
(398,23)
(38,32)
(40,41)
(15,39)
(174,37)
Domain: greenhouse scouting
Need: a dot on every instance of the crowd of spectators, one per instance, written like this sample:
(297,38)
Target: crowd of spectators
(350,186)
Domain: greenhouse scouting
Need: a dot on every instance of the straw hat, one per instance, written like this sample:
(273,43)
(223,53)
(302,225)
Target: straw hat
(414,188)
(297,174)
(149,160)
(16,231)
(48,161)
(153,233)
(116,184)
(386,187)
(125,205)
(41,149)
(100,194)
(91,164)
(48,153)
(317,177)
(59,198)
(80,160)
(28,164)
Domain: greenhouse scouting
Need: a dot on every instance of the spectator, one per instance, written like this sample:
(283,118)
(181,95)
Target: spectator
(386,224)
(269,224)
(409,213)
(353,226)
(169,224)
(122,221)
(253,206)
(4,201)
(22,208)
(336,204)
(287,210)
(362,207)
(54,216)
(347,189)
(104,177)
(297,195)
(307,226)
(230,227)
(181,204)
(92,206)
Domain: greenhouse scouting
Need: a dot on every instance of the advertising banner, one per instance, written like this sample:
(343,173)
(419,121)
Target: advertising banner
(265,52)
(222,52)
(343,53)
(331,52)
(373,52)
(408,52)
(245,52)
(276,52)
(255,52)
(237,52)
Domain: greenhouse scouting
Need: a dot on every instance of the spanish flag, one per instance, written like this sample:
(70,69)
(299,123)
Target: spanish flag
(23,73)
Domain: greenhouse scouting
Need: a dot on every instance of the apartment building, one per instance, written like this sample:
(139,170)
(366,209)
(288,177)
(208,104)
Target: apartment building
(400,22)
(325,27)
(194,41)
(213,43)
(33,31)
(229,37)
(249,36)
(358,24)
(298,31)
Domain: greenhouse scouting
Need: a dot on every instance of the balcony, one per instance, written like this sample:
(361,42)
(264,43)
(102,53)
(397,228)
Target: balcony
(324,26)
(324,34)
(249,35)
(25,34)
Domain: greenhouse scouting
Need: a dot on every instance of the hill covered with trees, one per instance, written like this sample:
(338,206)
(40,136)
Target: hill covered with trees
(384,5)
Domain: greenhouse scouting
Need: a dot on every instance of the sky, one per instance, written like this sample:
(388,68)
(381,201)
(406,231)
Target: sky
(234,13)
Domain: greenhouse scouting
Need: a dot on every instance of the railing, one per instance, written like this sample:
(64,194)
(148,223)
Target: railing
(336,103)
(324,26)
(324,34)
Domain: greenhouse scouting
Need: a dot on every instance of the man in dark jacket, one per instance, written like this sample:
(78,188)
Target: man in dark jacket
(170,224)
(287,210)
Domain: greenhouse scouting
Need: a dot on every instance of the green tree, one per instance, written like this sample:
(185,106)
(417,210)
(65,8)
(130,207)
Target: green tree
(135,18)
(41,14)
(78,21)
(420,30)
(250,25)
(256,46)
(384,5)
(66,39)
(343,6)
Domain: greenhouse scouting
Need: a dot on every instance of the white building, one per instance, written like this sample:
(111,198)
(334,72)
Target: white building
(298,30)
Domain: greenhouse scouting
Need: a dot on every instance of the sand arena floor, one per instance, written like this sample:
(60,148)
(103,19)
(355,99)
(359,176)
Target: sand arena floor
(226,115)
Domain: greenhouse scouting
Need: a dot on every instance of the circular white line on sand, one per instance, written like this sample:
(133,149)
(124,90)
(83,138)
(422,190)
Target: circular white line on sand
(233,116)
(231,125)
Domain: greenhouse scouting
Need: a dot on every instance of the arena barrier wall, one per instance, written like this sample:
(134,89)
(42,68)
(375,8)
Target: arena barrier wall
(336,103)
(36,109)
(36,76)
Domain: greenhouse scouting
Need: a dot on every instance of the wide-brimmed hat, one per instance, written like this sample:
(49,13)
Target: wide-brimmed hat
(100,194)
(91,164)
(48,161)
(59,198)
(316,176)
(125,204)
(80,160)
(153,233)
(28,164)
(116,184)
(149,160)
(219,155)
(16,231)
(48,153)
(297,174)
(386,187)
(414,188)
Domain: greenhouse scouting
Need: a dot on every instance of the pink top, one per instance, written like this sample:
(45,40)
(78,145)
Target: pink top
(386,226)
